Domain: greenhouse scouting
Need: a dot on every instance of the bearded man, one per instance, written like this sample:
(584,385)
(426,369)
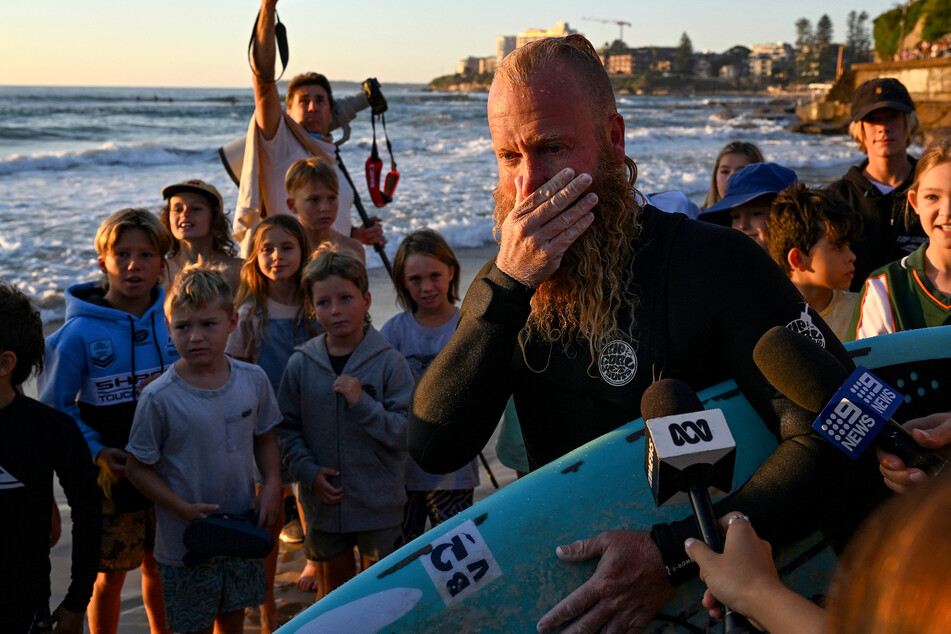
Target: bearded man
(590,298)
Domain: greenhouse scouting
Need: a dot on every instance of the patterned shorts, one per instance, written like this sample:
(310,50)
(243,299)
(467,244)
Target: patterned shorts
(125,539)
(194,595)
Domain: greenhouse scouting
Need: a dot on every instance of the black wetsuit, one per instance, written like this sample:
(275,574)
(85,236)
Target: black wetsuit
(890,228)
(705,296)
(35,441)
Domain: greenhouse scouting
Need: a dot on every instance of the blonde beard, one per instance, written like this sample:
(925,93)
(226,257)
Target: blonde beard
(582,299)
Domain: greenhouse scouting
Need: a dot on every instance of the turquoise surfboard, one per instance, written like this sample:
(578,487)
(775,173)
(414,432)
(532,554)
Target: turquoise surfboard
(492,568)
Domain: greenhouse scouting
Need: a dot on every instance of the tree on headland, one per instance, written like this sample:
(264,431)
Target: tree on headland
(825,55)
(806,62)
(858,41)
(683,59)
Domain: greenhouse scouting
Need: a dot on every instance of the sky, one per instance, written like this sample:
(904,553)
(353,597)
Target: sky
(204,42)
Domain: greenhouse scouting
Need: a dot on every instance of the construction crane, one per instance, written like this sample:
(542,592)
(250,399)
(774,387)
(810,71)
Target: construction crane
(620,23)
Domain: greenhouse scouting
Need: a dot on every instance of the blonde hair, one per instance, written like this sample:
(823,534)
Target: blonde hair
(198,285)
(936,154)
(311,171)
(743,148)
(254,284)
(912,123)
(328,261)
(112,228)
(423,242)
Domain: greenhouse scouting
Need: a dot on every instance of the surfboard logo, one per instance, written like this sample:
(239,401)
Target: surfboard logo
(806,328)
(460,563)
(617,363)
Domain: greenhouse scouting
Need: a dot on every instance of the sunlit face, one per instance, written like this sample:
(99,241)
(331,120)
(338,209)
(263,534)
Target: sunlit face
(932,203)
(201,335)
(729,164)
(310,107)
(189,215)
(427,280)
(544,127)
(133,267)
(885,133)
(340,308)
(279,257)
(750,218)
(833,265)
(315,206)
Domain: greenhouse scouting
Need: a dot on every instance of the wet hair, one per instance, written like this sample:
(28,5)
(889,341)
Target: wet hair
(21,332)
(311,171)
(198,285)
(800,217)
(742,148)
(308,79)
(523,65)
(328,261)
(423,242)
(221,241)
(912,123)
(894,574)
(254,283)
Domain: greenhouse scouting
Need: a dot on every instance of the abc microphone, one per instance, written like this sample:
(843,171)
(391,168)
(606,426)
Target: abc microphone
(689,452)
(854,409)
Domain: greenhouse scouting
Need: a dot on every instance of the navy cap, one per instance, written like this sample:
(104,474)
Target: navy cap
(882,92)
(753,181)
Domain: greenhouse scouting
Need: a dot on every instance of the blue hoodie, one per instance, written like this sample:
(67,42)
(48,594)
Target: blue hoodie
(95,360)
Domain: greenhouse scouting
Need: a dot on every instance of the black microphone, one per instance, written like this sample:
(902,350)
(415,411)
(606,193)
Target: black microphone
(854,409)
(689,451)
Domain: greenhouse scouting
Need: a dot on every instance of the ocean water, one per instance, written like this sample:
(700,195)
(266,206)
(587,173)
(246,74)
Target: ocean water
(71,156)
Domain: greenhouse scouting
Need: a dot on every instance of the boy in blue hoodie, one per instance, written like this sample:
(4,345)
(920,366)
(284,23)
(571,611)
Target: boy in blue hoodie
(114,338)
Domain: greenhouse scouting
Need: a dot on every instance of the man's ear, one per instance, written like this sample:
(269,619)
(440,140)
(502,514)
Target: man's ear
(616,135)
(798,260)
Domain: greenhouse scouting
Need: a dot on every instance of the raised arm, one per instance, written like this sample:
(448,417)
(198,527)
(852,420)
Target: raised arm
(267,101)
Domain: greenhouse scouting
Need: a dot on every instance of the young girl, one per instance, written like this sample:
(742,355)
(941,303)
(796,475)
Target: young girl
(344,397)
(915,292)
(732,158)
(272,320)
(194,216)
(426,276)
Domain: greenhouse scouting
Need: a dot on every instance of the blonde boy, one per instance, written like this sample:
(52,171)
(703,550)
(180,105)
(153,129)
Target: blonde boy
(808,235)
(198,431)
(312,188)
(113,339)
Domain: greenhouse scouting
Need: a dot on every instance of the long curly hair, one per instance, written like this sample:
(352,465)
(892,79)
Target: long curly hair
(221,240)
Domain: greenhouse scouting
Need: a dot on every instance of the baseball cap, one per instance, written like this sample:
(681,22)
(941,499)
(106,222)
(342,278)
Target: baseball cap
(882,92)
(753,181)
(195,186)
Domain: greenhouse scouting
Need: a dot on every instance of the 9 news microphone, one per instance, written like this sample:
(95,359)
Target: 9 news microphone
(689,451)
(854,409)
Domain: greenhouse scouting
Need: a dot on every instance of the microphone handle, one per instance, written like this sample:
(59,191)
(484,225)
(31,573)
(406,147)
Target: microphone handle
(895,439)
(733,622)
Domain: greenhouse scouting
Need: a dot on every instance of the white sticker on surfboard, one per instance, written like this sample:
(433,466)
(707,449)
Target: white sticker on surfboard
(460,563)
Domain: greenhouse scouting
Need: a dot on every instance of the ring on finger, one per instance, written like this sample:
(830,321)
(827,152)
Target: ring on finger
(737,516)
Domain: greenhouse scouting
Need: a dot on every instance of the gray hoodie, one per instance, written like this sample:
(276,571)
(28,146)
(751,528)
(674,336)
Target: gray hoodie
(366,443)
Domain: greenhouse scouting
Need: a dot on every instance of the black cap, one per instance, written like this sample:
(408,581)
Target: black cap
(882,92)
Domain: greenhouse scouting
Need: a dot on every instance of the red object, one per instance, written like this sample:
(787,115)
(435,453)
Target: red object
(374,168)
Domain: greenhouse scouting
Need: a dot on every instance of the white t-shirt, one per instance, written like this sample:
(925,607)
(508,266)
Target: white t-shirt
(277,156)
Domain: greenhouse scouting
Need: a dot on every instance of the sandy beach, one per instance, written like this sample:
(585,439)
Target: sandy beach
(290,600)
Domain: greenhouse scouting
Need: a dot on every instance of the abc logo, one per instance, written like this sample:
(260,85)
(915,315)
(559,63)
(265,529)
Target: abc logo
(690,432)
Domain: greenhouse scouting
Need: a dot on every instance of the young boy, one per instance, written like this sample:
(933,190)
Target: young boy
(312,187)
(749,196)
(808,233)
(198,431)
(35,441)
(113,339)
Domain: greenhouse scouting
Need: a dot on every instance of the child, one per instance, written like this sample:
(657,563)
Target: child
(194,216)
(35,441)
(312,188)
(426,276)
(198,431)
(113,339)
(732,158)
(809,232)
(915,291)
(749,195)
(272,320)
(344,397)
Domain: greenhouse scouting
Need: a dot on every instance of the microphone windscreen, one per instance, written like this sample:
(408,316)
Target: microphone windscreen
(668,397)
(800,369)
